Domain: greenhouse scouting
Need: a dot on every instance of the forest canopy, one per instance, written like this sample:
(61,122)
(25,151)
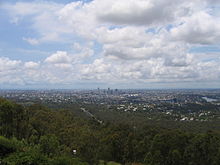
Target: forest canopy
(38,135)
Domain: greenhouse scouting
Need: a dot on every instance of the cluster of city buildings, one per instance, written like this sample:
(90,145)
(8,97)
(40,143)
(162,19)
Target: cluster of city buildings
(182,105)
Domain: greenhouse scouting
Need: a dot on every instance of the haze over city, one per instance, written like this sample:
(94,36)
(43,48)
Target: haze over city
(106,43)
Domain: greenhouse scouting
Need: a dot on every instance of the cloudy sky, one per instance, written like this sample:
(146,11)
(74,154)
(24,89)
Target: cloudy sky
(110,43)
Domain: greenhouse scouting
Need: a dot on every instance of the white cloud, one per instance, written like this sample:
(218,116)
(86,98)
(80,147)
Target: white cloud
(119,41)
(44,19)
(137,12)
(7,65)
(201,28)
(31,65)
(10,71)
(59,57)
(131,43)
(31,41)
(27,8)
(107,71)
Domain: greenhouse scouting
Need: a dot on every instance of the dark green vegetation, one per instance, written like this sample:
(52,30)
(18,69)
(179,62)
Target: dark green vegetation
(37,135)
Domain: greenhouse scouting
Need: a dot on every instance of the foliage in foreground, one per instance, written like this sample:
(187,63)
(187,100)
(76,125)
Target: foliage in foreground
(39,136)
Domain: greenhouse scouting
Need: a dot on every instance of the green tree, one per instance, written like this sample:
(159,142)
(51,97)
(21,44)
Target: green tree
(49,145)
(13,119)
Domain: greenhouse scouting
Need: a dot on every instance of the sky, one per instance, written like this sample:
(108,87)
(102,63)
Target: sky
(107,43)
